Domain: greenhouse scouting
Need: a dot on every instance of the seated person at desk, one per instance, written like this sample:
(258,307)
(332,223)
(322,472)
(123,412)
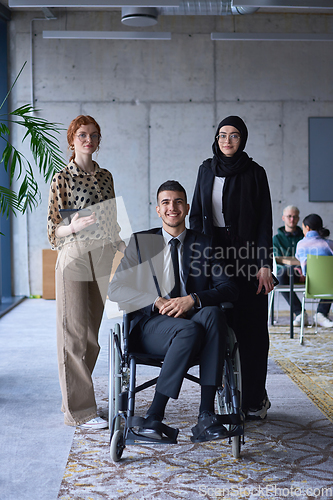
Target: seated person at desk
(172,283)
(315,242)
(284,245)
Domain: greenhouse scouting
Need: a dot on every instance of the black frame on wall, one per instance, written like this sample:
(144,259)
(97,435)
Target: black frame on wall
(321,159)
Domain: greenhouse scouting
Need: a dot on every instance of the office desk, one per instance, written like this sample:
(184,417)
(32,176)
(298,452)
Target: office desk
(290,262)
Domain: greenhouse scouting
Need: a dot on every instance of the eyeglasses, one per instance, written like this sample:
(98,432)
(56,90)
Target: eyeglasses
(233,138)
(292,216)
(83,137)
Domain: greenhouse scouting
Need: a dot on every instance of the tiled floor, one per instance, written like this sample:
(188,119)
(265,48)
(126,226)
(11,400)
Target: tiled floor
(42,459)
(34,443)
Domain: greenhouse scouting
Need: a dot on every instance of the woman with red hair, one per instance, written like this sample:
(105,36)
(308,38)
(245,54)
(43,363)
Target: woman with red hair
(87,242)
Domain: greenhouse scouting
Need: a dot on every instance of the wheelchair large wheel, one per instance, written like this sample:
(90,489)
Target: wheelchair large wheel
(115,376)
(236,364)
(230,394)
(117,446)
(232,377)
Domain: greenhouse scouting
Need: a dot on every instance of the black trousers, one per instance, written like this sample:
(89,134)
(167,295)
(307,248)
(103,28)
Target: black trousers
(284,279)
(324,307)
(184,342)
(249,318)
(249,322)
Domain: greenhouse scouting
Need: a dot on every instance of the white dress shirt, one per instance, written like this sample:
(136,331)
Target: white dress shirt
(168,275)
(217,207)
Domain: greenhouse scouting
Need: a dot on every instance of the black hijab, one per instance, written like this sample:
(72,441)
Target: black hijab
(239,191)
(225,166)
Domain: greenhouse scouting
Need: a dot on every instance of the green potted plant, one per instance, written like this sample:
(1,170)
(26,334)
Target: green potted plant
(43,143)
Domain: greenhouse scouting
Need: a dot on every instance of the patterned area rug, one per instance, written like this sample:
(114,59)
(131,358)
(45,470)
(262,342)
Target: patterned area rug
(309,365)
(288,455)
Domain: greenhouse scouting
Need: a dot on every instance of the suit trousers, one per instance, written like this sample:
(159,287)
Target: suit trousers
(199,339)
(82,278)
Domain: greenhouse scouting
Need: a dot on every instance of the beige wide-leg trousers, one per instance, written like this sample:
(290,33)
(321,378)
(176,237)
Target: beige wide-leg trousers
(82,278)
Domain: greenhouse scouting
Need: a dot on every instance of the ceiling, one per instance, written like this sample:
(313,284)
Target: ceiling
(167,7)
(313,6)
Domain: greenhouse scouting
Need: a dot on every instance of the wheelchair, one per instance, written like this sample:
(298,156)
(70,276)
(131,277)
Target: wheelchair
(122,391)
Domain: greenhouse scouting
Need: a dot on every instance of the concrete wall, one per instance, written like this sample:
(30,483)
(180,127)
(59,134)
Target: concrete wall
(158,103)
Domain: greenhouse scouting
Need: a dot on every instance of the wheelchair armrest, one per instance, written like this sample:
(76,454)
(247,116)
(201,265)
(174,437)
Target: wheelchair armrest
(226,305)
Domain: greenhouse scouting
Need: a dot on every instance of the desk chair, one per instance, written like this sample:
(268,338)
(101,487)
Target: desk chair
(276,290)
(318,283)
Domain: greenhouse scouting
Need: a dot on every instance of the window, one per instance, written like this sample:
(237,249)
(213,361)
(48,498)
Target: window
(5,241)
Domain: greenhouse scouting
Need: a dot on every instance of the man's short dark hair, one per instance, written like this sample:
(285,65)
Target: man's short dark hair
(171,186)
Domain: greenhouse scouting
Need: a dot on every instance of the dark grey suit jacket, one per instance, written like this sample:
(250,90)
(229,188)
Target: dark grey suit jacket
(136,283)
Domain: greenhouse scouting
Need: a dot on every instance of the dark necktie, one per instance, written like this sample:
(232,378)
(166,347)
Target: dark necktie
(175,292)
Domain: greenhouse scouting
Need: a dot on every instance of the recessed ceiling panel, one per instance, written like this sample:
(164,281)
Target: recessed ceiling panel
(89,4)
(107,35)
(274,37)
(307,4)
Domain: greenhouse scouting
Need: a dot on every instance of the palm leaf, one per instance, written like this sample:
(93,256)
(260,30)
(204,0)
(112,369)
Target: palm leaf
(29,192)
(43,143)
(9,201)
(4,130)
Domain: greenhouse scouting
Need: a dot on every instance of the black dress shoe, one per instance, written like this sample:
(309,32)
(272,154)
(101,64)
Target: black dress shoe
(208,428)
(205,414)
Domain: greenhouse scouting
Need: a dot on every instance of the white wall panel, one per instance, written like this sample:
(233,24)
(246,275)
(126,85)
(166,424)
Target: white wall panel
(159,103)
(124,70)
(260,71)
(124,151)
(296,154)
(181,138)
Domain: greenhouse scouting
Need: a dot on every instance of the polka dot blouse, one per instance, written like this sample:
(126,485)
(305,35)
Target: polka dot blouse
(73,188)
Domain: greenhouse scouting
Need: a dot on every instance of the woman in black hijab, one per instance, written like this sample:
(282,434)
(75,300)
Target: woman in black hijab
(232,203)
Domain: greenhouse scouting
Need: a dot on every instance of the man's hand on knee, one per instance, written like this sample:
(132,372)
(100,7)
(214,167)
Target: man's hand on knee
(177,307)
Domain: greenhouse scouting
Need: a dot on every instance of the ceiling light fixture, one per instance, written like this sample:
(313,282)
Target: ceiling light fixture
(139,17)
(107,35)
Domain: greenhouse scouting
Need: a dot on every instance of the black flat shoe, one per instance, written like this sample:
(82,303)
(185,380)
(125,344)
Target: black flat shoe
(208,428)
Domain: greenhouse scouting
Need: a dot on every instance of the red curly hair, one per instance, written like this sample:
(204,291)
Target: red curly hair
(75,125)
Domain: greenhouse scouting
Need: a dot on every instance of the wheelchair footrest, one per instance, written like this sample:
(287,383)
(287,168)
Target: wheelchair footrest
(136,424)
(133,438)
(232,419)
(237,430)
(235,422)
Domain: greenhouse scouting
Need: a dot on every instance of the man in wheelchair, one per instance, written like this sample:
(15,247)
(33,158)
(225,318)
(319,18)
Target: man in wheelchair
(172,284)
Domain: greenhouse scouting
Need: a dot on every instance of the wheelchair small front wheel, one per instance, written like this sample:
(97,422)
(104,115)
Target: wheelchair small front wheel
(236,446)
(117,446)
